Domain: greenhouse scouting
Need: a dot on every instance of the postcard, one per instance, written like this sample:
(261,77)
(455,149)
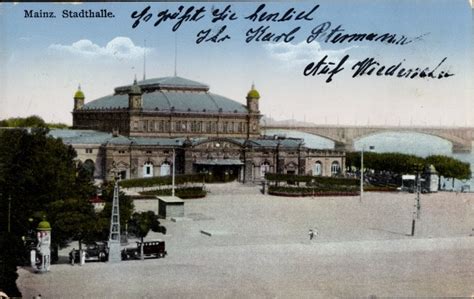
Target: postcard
(266,111)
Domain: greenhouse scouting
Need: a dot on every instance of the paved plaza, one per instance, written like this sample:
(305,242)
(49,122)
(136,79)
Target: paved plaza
(238,243)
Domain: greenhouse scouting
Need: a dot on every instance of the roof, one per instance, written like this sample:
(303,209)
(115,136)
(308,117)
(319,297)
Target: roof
(79,94)
(170,199)
(169,94)
(165,83)
(100,138)
(44,225)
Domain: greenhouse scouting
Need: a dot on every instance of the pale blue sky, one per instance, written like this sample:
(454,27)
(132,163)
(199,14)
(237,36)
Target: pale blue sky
(43,60)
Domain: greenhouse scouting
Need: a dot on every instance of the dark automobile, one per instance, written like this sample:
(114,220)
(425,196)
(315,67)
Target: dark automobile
(150,249)
(96,251)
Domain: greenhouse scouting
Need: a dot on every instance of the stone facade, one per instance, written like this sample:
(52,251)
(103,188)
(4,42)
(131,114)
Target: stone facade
(137,130)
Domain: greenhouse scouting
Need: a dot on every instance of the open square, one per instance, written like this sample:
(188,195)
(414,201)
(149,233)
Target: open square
(258,246)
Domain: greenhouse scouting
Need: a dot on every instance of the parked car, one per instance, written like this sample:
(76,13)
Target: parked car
(96,251)
(154,248)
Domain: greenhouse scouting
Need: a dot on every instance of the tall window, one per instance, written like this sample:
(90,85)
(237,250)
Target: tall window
(264,168)
(335,168)
(165,169)
(148,170)
(317,168)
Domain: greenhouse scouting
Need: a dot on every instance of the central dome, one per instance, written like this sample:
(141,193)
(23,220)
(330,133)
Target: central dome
(170,94)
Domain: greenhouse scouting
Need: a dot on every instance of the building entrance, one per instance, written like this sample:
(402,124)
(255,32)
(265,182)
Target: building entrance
(220,172)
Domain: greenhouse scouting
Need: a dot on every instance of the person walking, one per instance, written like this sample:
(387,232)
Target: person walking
(311,234)
(72,256)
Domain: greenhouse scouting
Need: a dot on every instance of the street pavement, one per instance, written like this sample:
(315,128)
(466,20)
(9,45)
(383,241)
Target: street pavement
(257,246)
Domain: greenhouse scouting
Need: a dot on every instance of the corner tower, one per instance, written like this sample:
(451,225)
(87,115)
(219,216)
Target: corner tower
(135,97)
(79,98)
(252,100)
(253,97)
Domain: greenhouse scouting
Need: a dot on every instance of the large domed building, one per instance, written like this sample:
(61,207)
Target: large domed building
(136,129)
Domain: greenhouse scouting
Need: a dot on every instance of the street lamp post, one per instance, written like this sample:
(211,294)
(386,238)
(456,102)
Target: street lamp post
(361,173)
(417,205)
(174,170)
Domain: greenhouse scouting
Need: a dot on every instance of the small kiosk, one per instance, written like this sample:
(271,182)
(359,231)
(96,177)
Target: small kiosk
(170,206)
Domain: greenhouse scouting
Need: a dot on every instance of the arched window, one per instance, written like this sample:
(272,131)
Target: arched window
(89,167)
(335,168)
(148,170)
(165,169)
(264,168)
(318,168)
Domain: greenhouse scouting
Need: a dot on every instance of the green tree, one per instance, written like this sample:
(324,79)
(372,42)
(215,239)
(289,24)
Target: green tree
(140,224)
(450,168)
(41,177)
(33,121)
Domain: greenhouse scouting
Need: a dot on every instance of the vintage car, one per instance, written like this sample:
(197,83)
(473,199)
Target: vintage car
(96,251)
(155,248)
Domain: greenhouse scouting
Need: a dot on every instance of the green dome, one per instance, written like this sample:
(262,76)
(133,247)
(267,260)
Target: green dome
(79,94)
(253,93)
(44,225)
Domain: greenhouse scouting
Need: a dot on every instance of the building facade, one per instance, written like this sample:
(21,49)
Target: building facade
(138,128)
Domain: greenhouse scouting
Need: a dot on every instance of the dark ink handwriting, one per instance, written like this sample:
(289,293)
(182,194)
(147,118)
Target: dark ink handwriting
(182,15)
(260,15)
(325,68)
(263,34)
(223,15)
(208,36)
(370,66)
(323,32)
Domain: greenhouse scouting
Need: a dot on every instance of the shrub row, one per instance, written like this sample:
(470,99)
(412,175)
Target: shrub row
(184,193)
(380,189)
(282,177)
(305,191)
(165,180)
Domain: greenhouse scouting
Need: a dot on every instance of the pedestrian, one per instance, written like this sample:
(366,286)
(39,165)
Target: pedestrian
(72,256)
(311,234)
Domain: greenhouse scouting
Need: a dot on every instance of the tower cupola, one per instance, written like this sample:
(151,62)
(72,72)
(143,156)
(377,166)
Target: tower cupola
(252,99)
(135,96)
(79,98)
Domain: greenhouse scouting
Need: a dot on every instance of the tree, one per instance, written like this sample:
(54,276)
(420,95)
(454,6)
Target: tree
(33,121)
(41,177)
(140,224)
(449,167)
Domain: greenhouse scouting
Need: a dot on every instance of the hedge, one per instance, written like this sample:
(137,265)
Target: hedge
(184,193)
(295,191)
(165,180)
(305,191)
(282,177)
(380,189)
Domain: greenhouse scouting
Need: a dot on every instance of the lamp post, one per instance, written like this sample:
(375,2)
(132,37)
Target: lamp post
(174,170)
(362,170)
(417,206)
(361,173)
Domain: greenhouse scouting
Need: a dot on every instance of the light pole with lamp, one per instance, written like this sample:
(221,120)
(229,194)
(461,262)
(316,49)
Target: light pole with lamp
(417,206)
(173,174)
(362,171)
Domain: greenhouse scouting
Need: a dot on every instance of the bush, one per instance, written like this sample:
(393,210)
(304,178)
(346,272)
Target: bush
(304,191)
(164,180)
(184,193)
(319,180)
